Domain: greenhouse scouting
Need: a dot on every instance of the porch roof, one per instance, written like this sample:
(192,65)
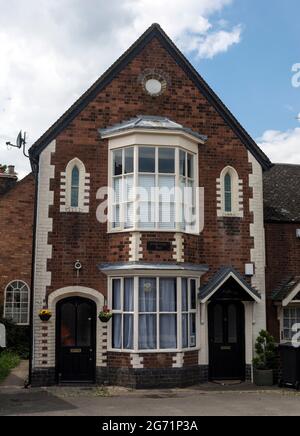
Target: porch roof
(220,279)
(287,291)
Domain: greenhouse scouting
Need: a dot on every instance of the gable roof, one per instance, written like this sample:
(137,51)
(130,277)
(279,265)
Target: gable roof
(149,122)
(220,278)
(155,31)
(287,290)
(282,193)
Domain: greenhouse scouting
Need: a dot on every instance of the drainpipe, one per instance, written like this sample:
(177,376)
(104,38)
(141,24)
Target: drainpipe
(35,170)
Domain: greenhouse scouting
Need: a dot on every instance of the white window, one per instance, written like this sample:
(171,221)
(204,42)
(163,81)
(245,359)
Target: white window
(75,188)
(230,194)
(16,305)
(153,314)
(291,317)
(154,189)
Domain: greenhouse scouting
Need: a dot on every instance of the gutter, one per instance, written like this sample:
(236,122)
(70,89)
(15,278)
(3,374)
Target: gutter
(35,167)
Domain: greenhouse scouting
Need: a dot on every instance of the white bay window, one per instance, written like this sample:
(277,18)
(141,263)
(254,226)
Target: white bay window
(153,189)
(153,314)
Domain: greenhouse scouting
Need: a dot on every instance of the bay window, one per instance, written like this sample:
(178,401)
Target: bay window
(151,314)
(153,189)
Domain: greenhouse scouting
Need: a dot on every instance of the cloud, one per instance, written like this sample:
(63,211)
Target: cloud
(50,52)
(219,42)
(281,147)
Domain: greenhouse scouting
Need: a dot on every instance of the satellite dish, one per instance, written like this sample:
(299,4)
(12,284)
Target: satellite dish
(19,140)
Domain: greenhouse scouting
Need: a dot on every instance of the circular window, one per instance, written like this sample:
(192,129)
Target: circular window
(153,86)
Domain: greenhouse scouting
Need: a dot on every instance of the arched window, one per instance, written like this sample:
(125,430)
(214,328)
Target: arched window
(75,187)
(16,305)
(228,193)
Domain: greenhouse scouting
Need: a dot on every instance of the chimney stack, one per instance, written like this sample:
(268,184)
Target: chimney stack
(8,179)
(11,170)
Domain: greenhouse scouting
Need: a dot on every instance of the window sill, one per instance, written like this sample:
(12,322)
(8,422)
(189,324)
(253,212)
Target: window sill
(116,231)
(184,350)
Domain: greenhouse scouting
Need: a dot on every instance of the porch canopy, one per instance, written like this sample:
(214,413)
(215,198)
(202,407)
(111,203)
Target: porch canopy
(288,291)
(228,284)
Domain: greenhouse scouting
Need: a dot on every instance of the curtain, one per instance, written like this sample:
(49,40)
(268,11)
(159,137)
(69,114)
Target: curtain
(116,297)
(168,323)
(147,295)
(147,323)
(128,332)
(185,330)
(128,295)
(167,295)
(128,319)
(116,331)
(185,306)
(147,332)
(168,331)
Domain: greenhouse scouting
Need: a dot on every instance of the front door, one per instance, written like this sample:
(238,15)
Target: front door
(226,340)
(76,340)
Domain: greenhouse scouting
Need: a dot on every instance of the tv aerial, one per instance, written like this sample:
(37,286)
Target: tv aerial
(20,143)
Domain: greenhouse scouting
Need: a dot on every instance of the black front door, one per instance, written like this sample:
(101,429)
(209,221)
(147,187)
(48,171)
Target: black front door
(226,340)
(76,340)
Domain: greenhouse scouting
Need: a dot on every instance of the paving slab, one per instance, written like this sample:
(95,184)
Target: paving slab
(114,401)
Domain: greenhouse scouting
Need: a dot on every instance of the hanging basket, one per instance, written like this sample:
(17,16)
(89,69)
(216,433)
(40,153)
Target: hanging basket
(105,317)
(45,315)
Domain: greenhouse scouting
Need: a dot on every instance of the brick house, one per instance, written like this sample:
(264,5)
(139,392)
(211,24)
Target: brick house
(183,273)
(282,226)
(16,218)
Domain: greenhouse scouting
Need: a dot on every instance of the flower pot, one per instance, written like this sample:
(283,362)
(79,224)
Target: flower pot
(45,318)
(105,319)
(263,377)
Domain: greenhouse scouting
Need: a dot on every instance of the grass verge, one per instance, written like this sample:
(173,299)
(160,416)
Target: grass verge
(8,361)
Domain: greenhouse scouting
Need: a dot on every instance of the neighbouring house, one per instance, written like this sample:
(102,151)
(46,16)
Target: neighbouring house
(16,227)
(150,200)
(282,225)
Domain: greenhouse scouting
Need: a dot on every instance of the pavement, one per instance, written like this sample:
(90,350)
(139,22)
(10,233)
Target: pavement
(204,400)
(18,376)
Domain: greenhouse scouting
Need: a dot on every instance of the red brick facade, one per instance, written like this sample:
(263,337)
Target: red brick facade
(283,262)
(16,219)
(82,237)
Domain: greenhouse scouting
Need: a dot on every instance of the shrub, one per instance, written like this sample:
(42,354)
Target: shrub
(265,349)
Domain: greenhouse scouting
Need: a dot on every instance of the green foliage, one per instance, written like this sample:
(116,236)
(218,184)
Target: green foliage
(17,337)
(265,349)
(3,168)
(8,361)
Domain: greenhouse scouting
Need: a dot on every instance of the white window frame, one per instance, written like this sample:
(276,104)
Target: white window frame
(28,302)
(236,193)
(83,188)
(177,177)
(296,306)
(136,314)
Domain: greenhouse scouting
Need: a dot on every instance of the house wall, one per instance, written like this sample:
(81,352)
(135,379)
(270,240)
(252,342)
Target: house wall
(16,222)
(67,237)
(283,261)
